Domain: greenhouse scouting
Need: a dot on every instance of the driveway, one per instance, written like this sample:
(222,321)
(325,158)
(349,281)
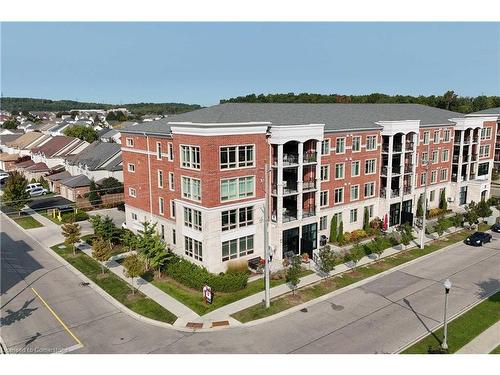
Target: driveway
(117,216)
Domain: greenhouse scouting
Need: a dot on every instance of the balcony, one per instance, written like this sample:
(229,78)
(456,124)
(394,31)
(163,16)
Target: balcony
(309,211)
(497,146)
(288,160)
(455,159)
(288,188)
(395,147)
(473,157)
(383,193)
(394,193)
(289,215)
(309,185)
(407,190)
(475,139)
(408,168)
(396,169)
(310,157)
(409,146)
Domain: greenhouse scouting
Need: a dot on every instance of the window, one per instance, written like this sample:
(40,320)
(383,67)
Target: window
(443,174)
(425,158)
(423,178)
(171,184)
(323,198)
(325,147)
(432,195)
(134,216)
(445,156)
(193,248)
(174,237)
(172,209)
(370,166)
(446,135)
(240,217)
(435,157)
(160,179)
(354,192)
(132,192)
(369,189)
(236,157)
(190,157)
(192,218)
(433,177)
(483,169)
(340,146)
(486,133)
(339,195)
(353,215)
(484,151)
(426,138)
(238,247)
(355,169)
(436,136)
(158,150)
(131,167)
(130,142)
(356,144)
(161,207)
(323,223)
(370,210)
(371,142)
(325,172)
(237,188)
(170,151)
(339,171)
(191,188)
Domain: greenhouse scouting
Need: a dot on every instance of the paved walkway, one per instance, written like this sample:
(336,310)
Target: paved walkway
(484,343)
(50,235)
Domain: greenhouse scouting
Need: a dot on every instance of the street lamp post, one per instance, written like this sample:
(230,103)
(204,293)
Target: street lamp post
(447,287)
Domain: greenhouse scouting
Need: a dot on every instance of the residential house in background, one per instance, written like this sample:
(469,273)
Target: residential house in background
(56,149)
(23,144)
(74,187)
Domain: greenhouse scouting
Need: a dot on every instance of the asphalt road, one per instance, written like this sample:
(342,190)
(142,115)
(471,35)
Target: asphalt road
(378,317)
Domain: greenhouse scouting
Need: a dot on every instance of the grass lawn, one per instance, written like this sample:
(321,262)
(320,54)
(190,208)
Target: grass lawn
(115,286)
(27,222)
(194,299)
(331,284)
(117,249)
(496,350)
(464,328)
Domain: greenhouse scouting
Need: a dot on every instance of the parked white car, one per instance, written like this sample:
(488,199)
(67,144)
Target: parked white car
(32,186)
(35,192)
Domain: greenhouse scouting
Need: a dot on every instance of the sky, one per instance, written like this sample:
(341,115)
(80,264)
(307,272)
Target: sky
(201,63)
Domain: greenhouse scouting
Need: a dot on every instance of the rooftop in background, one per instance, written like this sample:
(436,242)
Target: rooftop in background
(489,111)
(334,116)
(98,155)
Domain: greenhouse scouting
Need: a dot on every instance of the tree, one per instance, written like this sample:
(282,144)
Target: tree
(111,185)
(405,231)
(340,236)
(366,220)
(101,251)
(377,245)
(357,253)
(442,200)
(109,230)
(93,195)
(333,229)
(293,273)
(15,194)
(96,223)
(471,215)
(420,206)
(483,209)
(71,232)
(440,226)
(327,260)
(129,240)
(133,268)
(10,124)
(149,247)
(85,133)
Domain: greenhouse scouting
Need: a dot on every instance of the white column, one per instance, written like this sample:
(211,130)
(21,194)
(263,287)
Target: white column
(318,179)
(300,177)
(460,156)
(279,186)
(389,168)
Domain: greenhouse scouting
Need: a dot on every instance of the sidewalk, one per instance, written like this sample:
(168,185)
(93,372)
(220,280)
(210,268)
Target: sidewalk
(484,343)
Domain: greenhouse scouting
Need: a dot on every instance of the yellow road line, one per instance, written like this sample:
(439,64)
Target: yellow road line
(58,319)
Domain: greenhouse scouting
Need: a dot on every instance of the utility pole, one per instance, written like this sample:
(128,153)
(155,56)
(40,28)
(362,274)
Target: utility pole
(267,292)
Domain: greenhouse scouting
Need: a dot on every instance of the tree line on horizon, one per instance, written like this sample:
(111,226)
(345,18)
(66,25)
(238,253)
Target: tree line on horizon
(31,104)
(449,100)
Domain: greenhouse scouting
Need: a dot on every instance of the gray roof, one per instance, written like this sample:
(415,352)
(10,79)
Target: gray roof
(76,181)
(109,133)
(489,111)
(95,155)
(334,116)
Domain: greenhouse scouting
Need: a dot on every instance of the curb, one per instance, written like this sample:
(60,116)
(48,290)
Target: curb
(344,289)
(439,325)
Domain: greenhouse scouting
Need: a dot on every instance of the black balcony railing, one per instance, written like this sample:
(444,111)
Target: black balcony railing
(383,193)
(289,215)
(394,193)
(397,147)
(310,157)
(409,146)
(309,211)
(408,168)
(309,185)
(396,169)
(407,190)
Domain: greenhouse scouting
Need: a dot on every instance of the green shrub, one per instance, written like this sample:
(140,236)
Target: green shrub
(196,277)
(78,216)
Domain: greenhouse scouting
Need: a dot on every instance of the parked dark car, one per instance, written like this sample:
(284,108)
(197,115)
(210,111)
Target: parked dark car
(496,227)
(478,239)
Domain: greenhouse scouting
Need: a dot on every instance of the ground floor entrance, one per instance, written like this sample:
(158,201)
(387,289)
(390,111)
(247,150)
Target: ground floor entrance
(300,240)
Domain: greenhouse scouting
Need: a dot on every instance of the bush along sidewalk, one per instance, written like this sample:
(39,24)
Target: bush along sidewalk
(332,283)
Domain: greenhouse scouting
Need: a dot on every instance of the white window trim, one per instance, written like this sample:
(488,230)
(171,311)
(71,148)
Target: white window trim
(374,166)
(359,168)
(161,205)
(350,215)
(352,142)
(340,202)
(180,157)
(329,147)
(170,147)
(162,180)
(327,167)
(191,192)
(238,188)
(337,151)
(374,189)
(343,172)
(129,142)
(171,181)
(376,142)
(131,167)
(327,198)
(350,193)
(172,210)
(237,157)
(132,192)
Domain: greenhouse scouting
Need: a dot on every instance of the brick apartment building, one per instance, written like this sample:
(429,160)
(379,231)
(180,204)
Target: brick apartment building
(201,175)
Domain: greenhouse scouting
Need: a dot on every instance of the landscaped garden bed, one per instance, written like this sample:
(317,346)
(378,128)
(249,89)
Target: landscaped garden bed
(28,222)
